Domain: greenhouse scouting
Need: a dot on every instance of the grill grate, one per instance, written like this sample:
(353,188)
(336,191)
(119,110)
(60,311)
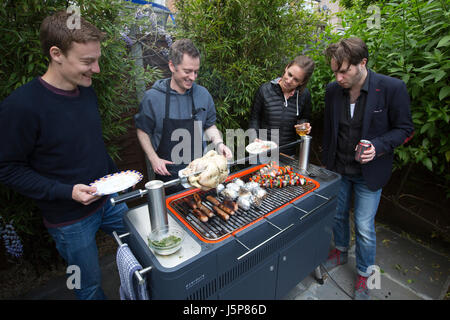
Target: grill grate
(216,229)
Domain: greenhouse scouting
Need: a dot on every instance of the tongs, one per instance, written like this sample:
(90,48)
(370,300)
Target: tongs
(140,193)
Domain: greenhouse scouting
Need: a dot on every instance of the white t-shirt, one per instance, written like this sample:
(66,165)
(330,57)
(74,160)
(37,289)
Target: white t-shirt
(352,109)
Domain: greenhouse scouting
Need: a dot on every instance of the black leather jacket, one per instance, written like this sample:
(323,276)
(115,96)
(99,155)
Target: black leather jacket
(270,110)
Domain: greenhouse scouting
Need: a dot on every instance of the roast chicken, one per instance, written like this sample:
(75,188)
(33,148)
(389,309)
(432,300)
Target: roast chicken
(215,171)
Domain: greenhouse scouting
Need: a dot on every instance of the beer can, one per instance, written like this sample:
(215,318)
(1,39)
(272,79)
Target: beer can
(363,145)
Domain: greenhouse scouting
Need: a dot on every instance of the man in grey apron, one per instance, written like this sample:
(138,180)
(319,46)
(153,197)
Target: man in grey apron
(175,116)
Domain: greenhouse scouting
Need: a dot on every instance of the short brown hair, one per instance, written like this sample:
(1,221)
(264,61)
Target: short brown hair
(179,48)
(307,64)
(55,32)
(353,50)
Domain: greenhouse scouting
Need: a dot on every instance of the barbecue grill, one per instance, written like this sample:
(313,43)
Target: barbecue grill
(261,253)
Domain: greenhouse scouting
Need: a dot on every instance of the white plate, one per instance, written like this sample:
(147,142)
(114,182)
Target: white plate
(260,146)
(116,182)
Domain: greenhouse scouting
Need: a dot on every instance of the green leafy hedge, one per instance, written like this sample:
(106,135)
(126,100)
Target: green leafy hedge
(243,43)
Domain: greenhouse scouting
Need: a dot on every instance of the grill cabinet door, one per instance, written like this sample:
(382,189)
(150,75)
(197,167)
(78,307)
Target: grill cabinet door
(259,284)
(295,263)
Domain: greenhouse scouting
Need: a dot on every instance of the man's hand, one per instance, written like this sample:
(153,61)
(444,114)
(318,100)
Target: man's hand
(84,194)
(225,151)
(159,166)
(368,155)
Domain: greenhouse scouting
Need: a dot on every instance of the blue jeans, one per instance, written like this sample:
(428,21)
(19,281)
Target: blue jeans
(76,244)
(365,209)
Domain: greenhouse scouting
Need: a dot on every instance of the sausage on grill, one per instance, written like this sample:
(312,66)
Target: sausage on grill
(190,203)
(200,215)
(226,209)
(213,200)
(197,199)
(206,210)
(223,215)
(231,205)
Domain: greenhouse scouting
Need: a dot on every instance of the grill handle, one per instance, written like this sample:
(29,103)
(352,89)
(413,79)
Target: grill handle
(137,273)
(316,208)
(262,243)
(128,196)
(140,193)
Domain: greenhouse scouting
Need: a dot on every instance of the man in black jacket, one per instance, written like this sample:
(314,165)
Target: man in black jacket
(361,104)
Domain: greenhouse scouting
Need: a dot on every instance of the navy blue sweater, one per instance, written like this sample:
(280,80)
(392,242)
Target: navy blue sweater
(49,143)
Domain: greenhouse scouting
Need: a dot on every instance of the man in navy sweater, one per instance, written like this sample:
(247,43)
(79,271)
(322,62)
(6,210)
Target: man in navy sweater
(361,104)
(52,147)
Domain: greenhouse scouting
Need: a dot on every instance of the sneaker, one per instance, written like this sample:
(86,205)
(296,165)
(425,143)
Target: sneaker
(335,258)
(361,290)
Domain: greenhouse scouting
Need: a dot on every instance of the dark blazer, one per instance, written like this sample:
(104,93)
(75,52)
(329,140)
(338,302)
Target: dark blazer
(387,124)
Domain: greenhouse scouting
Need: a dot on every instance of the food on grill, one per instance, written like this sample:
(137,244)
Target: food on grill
(226,209)
(191,203)
(244,193)
(225,216)
(233,186)
(215,171)
(229,193)
(245,199)
(200,215)
(292,179)
(250,186)
(220,188)
(259,193)
(229,210)
(231,205)
(272,169)
(213,200)
(206,211)
(244,203)
(273,176)
(238,182)
(197,199)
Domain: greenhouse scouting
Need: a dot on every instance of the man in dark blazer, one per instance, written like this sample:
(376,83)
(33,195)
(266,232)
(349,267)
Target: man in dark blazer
(361,104)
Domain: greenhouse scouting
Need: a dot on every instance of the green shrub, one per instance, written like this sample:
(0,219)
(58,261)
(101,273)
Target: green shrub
(243,43)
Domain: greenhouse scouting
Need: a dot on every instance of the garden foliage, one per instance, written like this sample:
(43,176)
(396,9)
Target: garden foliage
(243,44)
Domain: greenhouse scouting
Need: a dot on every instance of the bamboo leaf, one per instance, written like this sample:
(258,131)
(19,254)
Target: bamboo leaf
(444,92)
(444,42)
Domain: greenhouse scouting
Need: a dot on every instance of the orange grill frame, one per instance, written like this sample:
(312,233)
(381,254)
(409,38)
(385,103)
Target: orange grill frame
(236,175)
